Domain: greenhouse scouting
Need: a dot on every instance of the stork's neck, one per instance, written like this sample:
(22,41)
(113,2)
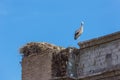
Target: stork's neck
(81,25)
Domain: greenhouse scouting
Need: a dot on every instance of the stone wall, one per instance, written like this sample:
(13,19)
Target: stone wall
(99,55)
(43,61)
(97,59)
(37,60)
(37,67)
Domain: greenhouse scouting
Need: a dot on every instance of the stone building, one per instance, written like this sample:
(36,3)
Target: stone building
(97,59)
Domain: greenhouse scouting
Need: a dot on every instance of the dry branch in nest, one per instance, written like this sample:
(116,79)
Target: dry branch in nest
(60,61)
(59,64)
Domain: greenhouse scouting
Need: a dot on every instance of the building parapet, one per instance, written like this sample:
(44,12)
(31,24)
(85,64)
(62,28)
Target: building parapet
(100,40)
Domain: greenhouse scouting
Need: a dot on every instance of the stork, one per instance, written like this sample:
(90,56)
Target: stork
(79,31)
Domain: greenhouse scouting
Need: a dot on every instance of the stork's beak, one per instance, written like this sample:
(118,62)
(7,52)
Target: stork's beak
(82,23)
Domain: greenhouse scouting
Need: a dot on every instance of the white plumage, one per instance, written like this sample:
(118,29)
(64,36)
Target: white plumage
(79,31)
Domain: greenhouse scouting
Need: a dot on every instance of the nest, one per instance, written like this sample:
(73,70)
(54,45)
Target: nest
(38,48)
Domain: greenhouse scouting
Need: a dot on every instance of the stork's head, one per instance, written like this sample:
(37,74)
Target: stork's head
(82,23)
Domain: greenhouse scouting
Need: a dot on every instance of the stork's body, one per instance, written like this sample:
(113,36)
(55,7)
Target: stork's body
(79,31)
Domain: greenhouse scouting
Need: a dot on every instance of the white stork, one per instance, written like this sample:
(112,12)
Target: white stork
(79,31)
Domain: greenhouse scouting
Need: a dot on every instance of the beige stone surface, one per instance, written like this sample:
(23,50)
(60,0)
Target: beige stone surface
(98,58)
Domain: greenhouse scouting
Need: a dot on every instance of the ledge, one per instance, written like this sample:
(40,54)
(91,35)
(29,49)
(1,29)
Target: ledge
(104,73)
(100,40)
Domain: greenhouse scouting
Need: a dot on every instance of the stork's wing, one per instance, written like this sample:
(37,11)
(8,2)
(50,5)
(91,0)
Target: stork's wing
(76,34)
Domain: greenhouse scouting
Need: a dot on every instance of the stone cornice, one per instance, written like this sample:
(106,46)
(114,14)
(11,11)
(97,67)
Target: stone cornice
(100,40)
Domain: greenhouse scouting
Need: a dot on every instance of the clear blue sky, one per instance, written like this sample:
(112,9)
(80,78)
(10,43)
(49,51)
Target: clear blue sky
(53,21)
